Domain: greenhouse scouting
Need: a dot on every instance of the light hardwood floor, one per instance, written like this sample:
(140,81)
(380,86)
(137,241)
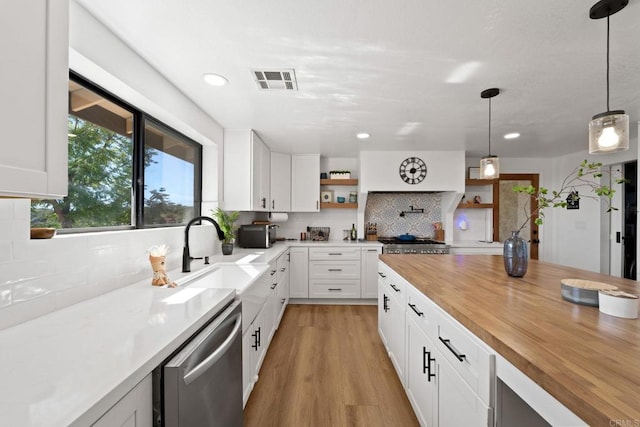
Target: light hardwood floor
(326,366)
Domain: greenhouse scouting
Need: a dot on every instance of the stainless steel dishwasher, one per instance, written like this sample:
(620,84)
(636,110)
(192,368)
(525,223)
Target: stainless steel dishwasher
(201,384)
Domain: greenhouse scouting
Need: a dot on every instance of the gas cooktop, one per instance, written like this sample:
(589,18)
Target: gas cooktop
(417,241)
(421,245)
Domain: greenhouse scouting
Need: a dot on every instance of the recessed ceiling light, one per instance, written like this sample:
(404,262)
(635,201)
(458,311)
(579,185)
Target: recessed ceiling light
(215,79)
(363,135)
(512,135)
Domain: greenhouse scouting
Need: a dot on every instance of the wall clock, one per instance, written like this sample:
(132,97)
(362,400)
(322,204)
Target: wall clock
(413,170)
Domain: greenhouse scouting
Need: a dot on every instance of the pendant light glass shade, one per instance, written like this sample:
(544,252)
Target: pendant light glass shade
(609,132)
(489,164)
(489,167)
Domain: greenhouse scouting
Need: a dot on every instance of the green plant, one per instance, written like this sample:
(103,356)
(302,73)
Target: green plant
(226,221)
(585,175)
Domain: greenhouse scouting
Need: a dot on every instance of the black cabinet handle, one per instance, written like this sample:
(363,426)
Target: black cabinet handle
(273,286)
(382,275)
(255,340)
(335,289)
(259,336)
(426,363)
(335,253)
(263,202)
(273,204)
(394,287)
(418,312)
(335,269)
(385,300)
(283,300)
(447,344)
(283,269)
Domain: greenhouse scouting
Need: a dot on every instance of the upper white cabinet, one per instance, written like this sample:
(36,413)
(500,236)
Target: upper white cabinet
(247,166)
(33,109)
(305,183)
(280,182)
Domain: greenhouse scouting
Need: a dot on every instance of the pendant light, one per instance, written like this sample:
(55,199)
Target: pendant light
(490,164)
(608,131)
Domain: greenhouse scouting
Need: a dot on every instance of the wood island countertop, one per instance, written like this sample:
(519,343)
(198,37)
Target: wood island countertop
(587,360)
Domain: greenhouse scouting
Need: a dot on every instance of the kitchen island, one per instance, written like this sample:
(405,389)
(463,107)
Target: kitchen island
(586,360)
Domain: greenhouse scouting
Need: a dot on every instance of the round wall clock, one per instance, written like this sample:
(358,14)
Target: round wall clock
(413,170)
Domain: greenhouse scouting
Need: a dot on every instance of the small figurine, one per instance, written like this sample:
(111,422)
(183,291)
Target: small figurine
(477,199)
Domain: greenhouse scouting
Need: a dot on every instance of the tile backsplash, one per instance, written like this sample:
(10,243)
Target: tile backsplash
(384,210)
(40,276)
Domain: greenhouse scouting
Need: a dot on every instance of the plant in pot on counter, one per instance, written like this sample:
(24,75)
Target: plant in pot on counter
(584,178)
(226,221)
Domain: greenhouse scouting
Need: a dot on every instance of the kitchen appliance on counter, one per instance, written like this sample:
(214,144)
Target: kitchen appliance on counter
(201,384)
(417,245)
(257,235)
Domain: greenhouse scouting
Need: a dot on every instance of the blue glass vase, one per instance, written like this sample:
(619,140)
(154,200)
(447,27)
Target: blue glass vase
(516,255)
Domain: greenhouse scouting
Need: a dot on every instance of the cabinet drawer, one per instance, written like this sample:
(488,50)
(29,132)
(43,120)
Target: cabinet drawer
(423,311)
(334,270)
(466,355)
(334,289)
(393,285)
(331,253)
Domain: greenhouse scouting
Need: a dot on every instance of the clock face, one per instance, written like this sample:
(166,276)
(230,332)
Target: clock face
(413,170)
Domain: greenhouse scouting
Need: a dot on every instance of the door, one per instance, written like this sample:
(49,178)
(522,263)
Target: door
(509,209)
(622,224)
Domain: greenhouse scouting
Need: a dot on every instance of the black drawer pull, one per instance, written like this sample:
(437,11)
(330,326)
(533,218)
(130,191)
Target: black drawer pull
(335,289)
(335,253)
(418,312)
(447,344)
(273,286)
(385,300)
(394,287)
(335,269)
(426,363)
(283,269)
(382,275)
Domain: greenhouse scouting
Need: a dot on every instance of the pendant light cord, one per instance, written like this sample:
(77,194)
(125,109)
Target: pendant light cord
(608,109)
(489,126)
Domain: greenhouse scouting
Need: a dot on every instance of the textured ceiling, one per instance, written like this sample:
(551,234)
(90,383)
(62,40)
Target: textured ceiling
(385,67)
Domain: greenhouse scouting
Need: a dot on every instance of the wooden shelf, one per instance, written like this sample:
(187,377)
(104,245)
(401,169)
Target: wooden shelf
(480,181)
(338,205)
(475,206)
(338,182)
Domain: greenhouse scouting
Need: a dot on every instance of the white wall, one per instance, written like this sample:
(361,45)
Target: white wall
(39,276)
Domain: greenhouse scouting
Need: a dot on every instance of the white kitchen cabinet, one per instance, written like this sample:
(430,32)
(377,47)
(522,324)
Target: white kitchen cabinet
(391,319)
(33,114)
(420,382)
(305,183)
(299,272)
(133,410)
(272,306)
(283,284)
(254,348)
(280,182)
(369,272)
(334,272)
(247,166)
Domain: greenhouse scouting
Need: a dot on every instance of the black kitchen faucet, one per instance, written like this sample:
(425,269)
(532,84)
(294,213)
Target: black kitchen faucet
(186,256)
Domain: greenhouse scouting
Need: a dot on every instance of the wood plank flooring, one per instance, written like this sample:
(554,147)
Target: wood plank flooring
(326,366)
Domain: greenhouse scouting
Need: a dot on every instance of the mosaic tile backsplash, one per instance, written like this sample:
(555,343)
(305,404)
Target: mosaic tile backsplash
(384,210)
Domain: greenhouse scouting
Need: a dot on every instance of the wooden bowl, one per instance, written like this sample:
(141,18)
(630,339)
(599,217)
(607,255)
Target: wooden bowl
(42,233)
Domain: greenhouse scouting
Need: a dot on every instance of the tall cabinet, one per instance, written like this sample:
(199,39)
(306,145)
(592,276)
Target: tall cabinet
(280,182)
(34,41)
(247,171)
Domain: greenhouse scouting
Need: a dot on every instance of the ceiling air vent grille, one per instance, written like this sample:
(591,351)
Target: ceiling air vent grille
(276,79)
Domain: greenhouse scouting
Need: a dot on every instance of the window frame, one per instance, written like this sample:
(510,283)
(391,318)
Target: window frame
(140,118)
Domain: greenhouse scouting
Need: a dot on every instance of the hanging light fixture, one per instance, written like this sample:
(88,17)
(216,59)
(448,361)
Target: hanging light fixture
(490,164)
(608,131)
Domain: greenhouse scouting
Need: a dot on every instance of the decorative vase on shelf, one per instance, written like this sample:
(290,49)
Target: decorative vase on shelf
(227,248)
(516,255)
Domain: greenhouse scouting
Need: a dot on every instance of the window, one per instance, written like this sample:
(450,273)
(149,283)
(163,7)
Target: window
(111,147)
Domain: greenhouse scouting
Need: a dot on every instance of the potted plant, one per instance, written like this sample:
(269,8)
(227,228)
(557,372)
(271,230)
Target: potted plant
(226,221)
(584,176)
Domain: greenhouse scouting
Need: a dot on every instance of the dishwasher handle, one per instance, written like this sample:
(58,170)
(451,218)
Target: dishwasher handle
(202,367)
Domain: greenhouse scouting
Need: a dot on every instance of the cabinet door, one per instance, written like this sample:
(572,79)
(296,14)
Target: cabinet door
(396,336)
(420,381)
(458,405)
(369,273)
(248,367)
(283,283)
(299,277)
(133,410)
(305,183)
(261,178)
(280,182)
(272,307)
(33,115)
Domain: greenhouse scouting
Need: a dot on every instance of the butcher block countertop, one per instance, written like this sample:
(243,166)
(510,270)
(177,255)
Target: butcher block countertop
(587,360)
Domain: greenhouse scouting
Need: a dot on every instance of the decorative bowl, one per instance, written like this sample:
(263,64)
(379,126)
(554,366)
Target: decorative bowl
(42,233)
(340,199)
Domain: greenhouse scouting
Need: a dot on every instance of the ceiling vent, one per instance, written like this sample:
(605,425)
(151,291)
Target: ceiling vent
(276,79)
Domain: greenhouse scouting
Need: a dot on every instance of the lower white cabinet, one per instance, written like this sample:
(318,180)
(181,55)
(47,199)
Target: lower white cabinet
(299,272)
(449,375)
(369,272)
(254,348)
(334,272)
(135,409)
